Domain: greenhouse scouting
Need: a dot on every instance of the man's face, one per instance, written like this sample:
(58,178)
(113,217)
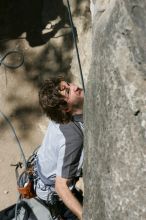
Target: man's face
(74,96)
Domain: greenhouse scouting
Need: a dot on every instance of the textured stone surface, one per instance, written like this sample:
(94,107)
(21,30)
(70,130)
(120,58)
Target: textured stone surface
(115,114)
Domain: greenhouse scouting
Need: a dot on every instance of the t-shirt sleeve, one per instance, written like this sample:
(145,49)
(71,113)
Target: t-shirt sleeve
(70,152)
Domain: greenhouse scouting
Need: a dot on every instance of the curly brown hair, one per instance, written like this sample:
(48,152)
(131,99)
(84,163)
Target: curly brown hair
(52,102)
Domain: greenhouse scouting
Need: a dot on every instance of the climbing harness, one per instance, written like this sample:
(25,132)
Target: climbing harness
(20,59)
(25,180)
(75,42)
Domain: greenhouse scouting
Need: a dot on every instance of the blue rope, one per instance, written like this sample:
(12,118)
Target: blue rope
(12,66)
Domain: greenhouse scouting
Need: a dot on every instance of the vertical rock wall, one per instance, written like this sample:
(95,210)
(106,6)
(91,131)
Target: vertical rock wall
(115,113)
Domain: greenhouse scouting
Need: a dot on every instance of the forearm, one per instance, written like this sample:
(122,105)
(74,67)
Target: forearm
(69,199)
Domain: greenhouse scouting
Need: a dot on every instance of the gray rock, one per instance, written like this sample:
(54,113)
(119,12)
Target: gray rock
(115,114)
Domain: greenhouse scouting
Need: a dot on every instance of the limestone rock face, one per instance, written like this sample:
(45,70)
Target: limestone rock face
(115,113)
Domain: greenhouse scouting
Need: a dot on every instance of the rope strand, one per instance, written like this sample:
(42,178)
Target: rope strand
(17,139)
(12,66)
(75,42)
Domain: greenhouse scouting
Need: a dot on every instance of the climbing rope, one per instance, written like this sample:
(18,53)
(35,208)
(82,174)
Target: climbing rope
(75,42)
(17,139)
(21,151)
(20,59)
